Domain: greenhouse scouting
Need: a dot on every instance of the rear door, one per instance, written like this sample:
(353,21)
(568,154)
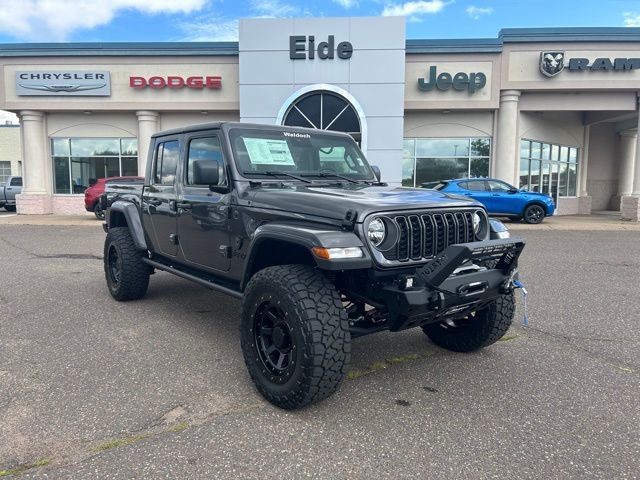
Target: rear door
(159,198)
(476,189)
(203,212)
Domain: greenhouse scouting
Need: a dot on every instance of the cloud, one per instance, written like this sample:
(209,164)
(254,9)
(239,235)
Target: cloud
(273,8)
(476,12)
(346,3)
(55,20)
(210,29)
(631,19)
(7,116)
(414,9)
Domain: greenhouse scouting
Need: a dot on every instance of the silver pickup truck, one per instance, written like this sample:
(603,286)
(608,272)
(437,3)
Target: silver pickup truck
(8,192)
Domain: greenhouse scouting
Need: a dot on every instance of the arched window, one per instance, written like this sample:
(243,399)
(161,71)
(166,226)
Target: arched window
(326,111)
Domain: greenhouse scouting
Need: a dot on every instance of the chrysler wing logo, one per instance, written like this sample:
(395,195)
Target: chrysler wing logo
(551,63)
(63,88)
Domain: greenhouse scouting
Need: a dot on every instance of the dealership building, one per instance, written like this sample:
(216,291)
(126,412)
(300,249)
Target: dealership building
(553,110)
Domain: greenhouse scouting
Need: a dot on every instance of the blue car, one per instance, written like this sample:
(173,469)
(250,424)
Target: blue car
(500,198)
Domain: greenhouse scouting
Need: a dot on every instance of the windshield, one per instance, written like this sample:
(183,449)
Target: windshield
(302,154)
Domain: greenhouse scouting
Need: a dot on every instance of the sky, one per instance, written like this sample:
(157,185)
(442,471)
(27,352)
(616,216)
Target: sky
(217,20)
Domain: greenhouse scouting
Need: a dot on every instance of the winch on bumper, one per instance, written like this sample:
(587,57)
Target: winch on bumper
(453,283)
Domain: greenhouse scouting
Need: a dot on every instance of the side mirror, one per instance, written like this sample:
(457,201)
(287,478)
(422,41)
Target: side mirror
(206,172)
(376,171)
(513,190)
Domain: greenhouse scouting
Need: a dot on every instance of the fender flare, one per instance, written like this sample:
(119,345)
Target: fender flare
(132,215)
(308,237)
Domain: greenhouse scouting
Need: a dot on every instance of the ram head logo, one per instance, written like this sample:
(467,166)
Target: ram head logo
(551,63)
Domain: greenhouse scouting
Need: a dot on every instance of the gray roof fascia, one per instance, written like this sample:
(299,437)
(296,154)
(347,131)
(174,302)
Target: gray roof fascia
(118,49)
(454,45)
(569,34)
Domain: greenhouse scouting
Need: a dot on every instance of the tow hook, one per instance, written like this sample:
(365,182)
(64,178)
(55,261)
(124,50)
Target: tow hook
(520,285)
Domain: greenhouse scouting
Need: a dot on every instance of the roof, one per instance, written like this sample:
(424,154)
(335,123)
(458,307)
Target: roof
(453,45)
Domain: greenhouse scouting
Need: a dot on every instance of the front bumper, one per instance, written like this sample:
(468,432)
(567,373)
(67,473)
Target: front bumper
(462,278)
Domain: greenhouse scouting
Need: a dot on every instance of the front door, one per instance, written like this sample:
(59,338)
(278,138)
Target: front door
(159,198)
(203,210)
(501,198)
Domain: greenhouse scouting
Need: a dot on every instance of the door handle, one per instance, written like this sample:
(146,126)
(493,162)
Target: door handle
(467,194)
(184,205)
(495,194)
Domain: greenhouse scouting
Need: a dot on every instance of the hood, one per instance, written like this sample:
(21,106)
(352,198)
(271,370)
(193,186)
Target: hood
(536,194)
(334,202)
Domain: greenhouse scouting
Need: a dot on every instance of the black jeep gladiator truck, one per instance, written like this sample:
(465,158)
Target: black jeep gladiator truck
(296,224)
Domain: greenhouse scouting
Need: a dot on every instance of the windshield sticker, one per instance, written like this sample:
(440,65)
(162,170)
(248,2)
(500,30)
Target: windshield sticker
(266,151)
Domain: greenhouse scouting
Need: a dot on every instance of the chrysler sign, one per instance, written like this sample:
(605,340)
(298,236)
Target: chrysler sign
(63,83)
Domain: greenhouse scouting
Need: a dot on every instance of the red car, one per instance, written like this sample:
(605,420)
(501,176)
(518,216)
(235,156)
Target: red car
(92,195)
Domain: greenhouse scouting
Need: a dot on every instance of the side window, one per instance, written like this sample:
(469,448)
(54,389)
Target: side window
(167,156)
(16,182)
(476,186)
(464,185)
(208,149)
(498,186)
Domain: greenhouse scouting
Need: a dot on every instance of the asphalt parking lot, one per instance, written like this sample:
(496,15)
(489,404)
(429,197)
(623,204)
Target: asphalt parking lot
(157,388)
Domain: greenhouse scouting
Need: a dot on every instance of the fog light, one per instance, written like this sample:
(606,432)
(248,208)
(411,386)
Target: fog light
(337,253)
(406,282)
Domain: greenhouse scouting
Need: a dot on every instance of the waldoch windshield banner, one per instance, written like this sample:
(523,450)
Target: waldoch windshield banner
(64,83)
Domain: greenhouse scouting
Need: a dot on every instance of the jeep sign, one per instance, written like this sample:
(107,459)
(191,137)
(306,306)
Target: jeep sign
(460,81)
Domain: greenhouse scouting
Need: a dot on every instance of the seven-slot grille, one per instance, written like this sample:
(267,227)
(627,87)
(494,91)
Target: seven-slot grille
(424,235)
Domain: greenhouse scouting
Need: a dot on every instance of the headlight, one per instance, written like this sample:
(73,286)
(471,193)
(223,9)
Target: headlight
(477,223)
(376,232)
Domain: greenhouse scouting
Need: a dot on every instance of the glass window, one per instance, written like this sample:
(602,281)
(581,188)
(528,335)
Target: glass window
(536,149)
(524,174)
(408,162)
(476,186)
(428,160)
(5,171)
(431,169)
(169,162)
(205,149)
(16,182)
(525,149)
(534,169)
(89,147)
(495,186)
(546,151)
(553,173)
(80,162)
(452,147)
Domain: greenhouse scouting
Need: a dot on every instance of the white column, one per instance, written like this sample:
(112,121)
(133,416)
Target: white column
(34,155)
(36,165)
(631,203)
(507,137)
(628,140)
(147,126)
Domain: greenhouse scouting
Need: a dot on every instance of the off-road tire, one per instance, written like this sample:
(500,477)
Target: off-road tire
(484,328)
(534,214)
(98,211)
(10,208)
(319,334)
(133,275)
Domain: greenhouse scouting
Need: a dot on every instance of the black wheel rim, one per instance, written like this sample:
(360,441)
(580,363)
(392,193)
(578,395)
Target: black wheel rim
(113,264)
(274,342)
(535,214)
